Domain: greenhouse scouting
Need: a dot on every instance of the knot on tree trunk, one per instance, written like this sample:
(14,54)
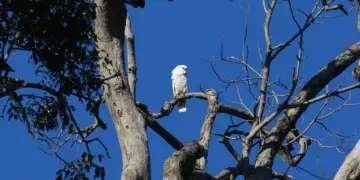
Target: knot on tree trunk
(211,92)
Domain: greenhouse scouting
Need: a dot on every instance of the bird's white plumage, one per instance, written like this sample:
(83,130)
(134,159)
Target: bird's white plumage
(179,84)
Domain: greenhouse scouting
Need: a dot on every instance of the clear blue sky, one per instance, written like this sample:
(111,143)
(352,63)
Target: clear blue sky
(189,32)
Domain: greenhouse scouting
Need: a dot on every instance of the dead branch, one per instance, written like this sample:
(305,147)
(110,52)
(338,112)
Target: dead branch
(206,129)
(266,68)
(231,173)
(130,39)
(167,136)
(324,96)
(168,106)
(229,147)
(268,151)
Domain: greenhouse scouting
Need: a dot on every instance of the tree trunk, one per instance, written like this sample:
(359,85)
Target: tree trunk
(350,169)
(181,164)
(129,123)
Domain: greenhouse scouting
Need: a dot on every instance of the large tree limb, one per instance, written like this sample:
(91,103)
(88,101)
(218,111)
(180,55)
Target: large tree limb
(285,155)
(167,136)
(206,129)
(176,144)
(129,122)
(168,107)
(265,158)
(180,165)
(350,169)
(231,173)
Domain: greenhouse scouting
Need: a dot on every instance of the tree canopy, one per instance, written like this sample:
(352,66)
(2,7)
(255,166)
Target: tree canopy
(77,47)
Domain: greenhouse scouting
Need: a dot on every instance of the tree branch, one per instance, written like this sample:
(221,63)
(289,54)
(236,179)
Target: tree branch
(168,107)
(205,133)
(324,96)
(288,121)
(235,112)
(286,156)
(130,39)
(14,84)
(167,136)
(266,69)
(231,173)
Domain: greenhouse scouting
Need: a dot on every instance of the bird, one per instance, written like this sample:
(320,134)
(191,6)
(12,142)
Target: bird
(356,72)
(179,85)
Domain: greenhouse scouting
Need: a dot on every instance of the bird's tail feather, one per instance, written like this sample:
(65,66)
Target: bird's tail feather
(182,106)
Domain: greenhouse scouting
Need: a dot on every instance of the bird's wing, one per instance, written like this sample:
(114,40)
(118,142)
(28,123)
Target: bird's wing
(173,87)
(185,85)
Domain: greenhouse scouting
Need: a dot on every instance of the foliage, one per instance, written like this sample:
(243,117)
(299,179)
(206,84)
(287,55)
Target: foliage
(59,35)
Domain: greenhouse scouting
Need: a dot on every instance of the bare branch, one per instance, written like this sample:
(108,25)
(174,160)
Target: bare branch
(235,112)
(101,143)
(266,69)
(131,56)
(231,173)
(229,147)
(267,153)
(291,160)
(281,176)
(310,20)
(324,96)
(167,136)
(168,106)
(206,129)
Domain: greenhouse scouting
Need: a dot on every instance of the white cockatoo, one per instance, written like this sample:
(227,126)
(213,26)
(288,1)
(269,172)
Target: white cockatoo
(179,85)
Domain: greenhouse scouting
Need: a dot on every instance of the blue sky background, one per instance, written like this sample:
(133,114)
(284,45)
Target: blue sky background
(190,32)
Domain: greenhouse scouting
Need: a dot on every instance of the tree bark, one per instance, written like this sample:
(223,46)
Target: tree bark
(208,125)
(129,123)
(130,39)
(350,169)
(267,153)
(180,165)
